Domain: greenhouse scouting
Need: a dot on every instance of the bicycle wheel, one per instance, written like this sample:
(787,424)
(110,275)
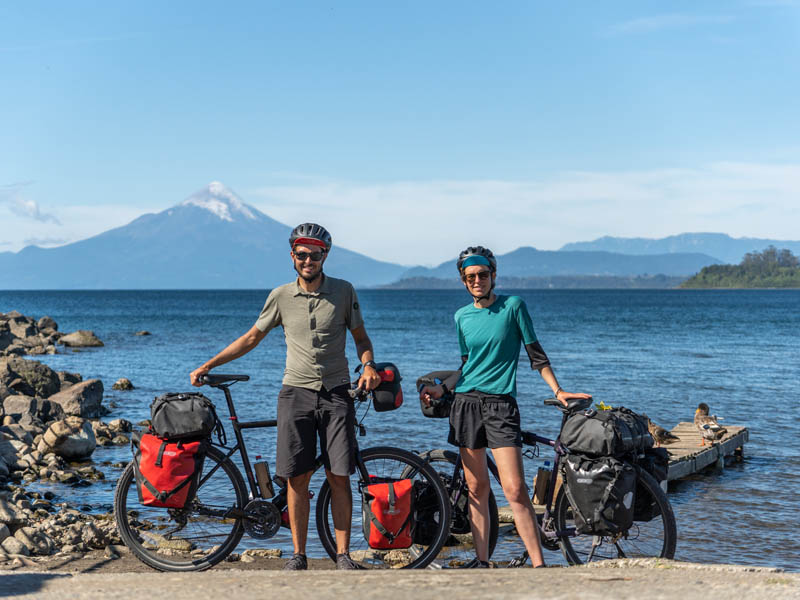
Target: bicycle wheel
(645,539)
(459,547)
(188,539)
(432,511)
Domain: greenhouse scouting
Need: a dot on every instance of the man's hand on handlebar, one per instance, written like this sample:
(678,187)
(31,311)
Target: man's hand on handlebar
(369,379)
(196,376)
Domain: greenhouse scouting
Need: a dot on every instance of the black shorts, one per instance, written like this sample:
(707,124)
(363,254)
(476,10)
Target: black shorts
(302,415)
(479,420)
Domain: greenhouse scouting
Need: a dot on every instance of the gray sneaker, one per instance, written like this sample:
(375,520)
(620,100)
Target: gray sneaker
(477,564)
(298,562)
(345,563)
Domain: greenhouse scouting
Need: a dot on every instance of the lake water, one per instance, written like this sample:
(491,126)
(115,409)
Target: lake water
(660,352)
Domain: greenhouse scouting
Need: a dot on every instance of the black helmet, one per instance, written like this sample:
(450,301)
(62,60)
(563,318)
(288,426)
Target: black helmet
(310,232)
(477,251)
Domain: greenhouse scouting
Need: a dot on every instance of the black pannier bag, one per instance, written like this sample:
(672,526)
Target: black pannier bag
(389,393)
(656,462)
(426,513)
(177,416)
(615,432)
(601,492)
(439,408)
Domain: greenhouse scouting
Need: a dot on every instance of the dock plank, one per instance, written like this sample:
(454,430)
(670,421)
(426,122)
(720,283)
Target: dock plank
(687,456)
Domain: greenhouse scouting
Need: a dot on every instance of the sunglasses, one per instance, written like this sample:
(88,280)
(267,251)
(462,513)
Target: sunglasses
(482,275)
(302,256)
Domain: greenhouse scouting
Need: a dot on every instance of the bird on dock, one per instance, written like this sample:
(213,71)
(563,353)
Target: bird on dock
(707,425)
(660,435)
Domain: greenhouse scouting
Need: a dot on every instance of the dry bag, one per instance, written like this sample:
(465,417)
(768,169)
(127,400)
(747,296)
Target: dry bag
(387,511)
(167,472)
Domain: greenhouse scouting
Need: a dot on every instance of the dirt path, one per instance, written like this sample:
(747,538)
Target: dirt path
(95,577)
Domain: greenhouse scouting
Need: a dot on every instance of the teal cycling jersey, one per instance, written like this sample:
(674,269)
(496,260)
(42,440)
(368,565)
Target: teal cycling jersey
(490,338)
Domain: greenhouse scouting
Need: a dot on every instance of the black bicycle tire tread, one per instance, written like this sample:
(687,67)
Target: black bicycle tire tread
(664,505)
(121,490)
(323,498)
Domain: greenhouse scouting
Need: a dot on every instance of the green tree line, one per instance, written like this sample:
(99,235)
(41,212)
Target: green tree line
(771,268)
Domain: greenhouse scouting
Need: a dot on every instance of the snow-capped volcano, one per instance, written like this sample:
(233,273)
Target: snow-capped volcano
(221,201)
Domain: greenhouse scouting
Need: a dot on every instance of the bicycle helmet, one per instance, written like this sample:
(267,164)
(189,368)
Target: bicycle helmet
(476,251)
(310,233)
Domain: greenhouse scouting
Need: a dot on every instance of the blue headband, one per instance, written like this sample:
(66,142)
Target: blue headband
(475,259)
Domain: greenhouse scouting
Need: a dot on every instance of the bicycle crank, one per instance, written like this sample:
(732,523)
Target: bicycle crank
(262,519)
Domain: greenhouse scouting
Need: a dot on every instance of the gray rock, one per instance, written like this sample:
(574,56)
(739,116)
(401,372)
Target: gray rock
(27,377)
(12,545)
(35,541)
(82,338)
(122,384)
(9,514)
(121,439)
(3,468)
(22,327)
(19,404)
(71,438)
(8,452)
(47,323)
(67,379)
(82,399)
(19,433)
(4,532)
(120,425)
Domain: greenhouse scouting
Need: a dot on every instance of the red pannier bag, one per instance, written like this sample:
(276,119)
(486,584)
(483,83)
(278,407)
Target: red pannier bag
(387,514)
(167,472)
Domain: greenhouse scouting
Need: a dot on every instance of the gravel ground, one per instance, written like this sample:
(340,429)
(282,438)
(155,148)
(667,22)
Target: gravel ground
(93,577)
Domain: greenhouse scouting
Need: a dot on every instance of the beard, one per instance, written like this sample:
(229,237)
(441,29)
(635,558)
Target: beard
(309,278)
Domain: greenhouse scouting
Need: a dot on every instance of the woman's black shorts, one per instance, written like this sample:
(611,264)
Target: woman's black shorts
(479,420)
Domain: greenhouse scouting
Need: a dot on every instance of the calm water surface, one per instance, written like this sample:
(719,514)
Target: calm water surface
(660,352)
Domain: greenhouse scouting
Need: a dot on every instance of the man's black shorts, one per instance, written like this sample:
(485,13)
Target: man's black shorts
(479,420)
(304,413)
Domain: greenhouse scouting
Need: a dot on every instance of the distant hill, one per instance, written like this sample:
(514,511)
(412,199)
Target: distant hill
(530,262)
(719,245)
(564,282)
(771,268)
(210,240)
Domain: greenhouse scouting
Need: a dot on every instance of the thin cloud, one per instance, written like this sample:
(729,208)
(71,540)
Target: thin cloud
(669,21)
(45,242)
(428,222)
(29,208)
(48,44)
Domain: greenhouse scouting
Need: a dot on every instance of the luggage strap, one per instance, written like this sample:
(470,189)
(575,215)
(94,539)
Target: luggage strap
(159,495)
(379,526)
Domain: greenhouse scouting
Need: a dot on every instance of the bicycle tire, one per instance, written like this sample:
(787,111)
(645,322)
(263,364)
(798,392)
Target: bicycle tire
(655,538)
(457,543)
(204,540)
(388,463)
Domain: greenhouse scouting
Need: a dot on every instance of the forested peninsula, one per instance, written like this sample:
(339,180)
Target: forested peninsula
(771,268)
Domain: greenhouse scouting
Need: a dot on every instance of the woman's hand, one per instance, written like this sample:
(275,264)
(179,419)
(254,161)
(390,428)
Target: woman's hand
(429,392)
(564,397)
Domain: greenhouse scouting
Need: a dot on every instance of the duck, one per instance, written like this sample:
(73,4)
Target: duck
(707,425)
(660,435)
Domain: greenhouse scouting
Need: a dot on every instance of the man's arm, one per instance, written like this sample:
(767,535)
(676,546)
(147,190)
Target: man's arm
(241,346)
(369,379)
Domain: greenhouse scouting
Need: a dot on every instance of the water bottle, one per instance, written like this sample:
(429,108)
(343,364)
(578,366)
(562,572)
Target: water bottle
(262,477)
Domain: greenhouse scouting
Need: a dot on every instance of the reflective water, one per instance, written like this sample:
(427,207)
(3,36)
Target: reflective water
(661,352)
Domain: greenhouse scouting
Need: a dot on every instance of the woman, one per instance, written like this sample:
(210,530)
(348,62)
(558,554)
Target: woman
(484,413)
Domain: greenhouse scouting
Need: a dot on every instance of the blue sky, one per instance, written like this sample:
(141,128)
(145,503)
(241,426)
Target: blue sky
(410,129)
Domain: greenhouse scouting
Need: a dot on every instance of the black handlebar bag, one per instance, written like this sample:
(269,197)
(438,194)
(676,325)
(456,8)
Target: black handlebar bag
(176,416)
(439,408)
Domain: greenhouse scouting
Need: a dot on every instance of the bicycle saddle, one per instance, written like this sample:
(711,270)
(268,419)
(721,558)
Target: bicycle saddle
(219,378)
(572,405)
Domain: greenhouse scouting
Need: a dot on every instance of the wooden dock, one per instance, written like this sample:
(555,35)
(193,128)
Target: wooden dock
(687,456)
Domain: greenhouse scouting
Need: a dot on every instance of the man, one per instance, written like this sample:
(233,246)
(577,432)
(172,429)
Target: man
(315,312)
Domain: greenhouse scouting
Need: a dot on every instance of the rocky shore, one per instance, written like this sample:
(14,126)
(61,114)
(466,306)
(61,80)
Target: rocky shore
(51,425)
